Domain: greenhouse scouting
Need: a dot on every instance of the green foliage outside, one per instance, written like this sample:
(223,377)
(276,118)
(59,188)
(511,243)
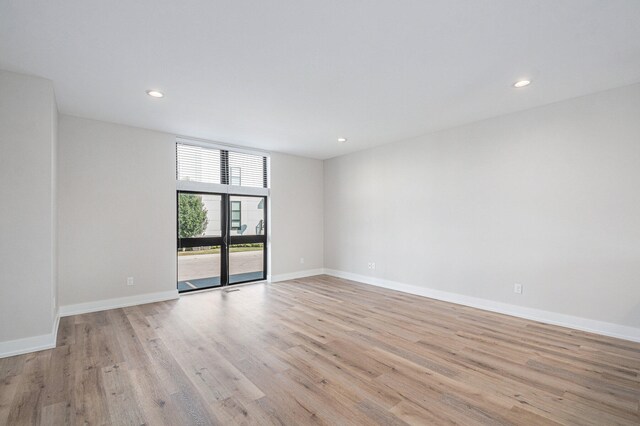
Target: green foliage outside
(192,216)
(216,250)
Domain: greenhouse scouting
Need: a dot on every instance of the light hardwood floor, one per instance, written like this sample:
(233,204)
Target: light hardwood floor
(319,350)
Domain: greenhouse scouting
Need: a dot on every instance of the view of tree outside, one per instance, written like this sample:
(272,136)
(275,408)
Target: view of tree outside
(192,216)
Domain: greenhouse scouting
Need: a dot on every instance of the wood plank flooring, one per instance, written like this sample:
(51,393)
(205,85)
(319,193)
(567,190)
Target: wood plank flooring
(319,350)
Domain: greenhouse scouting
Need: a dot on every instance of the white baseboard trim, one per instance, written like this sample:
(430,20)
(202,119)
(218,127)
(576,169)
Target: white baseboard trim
(120,302)
(31,344)
(295,275)
(48,341)
(569,321)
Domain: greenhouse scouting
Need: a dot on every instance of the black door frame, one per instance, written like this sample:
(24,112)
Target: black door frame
(225,240)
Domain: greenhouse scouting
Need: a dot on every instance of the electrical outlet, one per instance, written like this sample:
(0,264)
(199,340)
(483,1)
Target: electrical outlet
(517,288)
(129,280)
(301,260)
(373,265)
(369,265)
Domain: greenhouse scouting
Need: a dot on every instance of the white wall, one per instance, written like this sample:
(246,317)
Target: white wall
(28,116)
(549,198)
(117,212)
(296,221)
(54,210)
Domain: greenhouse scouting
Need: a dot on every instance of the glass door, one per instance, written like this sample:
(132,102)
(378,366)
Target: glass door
(221,240)
(247,238)
(201,247)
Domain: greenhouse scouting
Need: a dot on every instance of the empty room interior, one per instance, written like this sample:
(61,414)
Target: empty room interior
(332,212)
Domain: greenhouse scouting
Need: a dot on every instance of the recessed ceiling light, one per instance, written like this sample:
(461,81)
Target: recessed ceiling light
(155,93)
(342,139)
(521,83)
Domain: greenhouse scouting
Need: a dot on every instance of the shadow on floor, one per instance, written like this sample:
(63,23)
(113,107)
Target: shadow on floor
(215,281)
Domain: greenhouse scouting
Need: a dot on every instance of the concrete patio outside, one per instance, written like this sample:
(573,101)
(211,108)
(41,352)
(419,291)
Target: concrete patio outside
(246,265)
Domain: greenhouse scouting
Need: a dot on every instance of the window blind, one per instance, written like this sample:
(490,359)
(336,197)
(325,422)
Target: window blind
(247,170)
(212,165)
(198,164)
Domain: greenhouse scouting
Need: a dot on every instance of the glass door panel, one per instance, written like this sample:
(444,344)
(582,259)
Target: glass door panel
(200,241)
(247,215)
(199,267)
(246,262)
(247,238)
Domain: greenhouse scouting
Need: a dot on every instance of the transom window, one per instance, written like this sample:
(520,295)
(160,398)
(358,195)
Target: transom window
(208,164)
